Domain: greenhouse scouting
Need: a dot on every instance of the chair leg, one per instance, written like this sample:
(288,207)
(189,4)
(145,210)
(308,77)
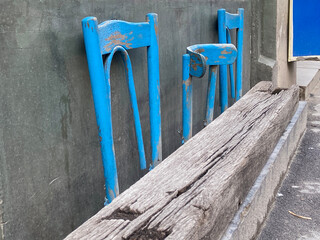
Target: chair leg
(211,94)
(186,99)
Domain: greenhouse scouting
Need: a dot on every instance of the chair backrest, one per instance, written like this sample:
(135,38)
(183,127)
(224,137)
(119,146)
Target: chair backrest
(194,63)
(227,22)
(108,38)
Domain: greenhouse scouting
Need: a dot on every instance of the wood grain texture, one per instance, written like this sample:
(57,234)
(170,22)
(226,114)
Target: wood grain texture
(196,191)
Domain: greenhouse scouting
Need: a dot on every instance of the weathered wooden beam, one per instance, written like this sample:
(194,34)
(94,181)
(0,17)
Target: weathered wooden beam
(196,191)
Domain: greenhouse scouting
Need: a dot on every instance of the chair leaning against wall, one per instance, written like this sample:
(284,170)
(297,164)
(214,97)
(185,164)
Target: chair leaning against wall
(106,39)
(194,63)
(227,22)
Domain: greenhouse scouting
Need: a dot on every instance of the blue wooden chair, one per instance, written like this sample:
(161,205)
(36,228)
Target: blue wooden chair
(226,22)
(106,39)
(194,64)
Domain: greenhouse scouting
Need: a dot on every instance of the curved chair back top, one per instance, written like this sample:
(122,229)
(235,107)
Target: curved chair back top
(209,54)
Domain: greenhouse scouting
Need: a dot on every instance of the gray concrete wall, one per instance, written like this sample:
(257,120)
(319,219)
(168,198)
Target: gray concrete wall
(263,40)
(50,162)
(270,27)
(285,71)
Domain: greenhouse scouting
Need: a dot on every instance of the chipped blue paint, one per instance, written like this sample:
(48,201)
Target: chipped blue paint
(194,64)
(186,98)
(129,35)
(154,90)
(226,22)
(108,38)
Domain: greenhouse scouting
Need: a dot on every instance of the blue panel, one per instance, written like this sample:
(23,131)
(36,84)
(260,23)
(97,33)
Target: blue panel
(306,28)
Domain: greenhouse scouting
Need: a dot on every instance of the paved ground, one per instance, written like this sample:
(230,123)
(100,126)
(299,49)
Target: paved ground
(300,192)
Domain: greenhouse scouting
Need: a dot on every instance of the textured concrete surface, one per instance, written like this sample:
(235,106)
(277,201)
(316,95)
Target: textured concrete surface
(308,75)
(50,165)
(300,192)
(308,64)
(254,209)
(263,40)
(269,43)
(285,72)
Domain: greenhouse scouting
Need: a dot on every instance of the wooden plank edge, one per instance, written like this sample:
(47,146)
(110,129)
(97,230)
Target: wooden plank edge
(226,216)
(253,212)
(263,87)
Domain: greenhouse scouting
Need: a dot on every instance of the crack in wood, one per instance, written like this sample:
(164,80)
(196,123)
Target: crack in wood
(278,90)
(214,159)
(149,234)
(122,214)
